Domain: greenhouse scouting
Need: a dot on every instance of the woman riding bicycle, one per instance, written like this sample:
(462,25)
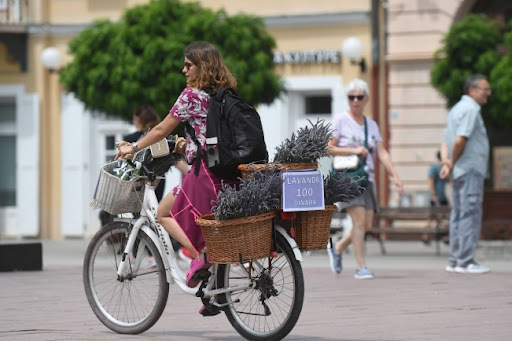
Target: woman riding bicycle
(204,67)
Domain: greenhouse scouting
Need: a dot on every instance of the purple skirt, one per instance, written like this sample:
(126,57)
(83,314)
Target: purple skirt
(194,199)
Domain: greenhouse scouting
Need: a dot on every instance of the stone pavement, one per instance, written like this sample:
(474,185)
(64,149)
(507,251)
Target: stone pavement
(411,298)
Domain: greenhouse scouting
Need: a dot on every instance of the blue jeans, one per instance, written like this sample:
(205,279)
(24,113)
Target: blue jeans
(465,218)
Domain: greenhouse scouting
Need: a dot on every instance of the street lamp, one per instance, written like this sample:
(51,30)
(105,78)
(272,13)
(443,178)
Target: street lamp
(51,58)
(50,148)
(352,48)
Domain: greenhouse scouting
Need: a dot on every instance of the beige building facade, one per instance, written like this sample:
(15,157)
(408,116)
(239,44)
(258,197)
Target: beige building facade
(55,147)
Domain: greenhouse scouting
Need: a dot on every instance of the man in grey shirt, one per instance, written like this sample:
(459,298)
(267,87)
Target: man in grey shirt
(465,154)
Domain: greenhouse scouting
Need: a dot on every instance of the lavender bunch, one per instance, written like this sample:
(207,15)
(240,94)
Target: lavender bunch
(338,188)
(306,145)
(260,193)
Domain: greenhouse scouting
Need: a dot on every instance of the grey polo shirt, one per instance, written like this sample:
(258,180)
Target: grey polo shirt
(465,119)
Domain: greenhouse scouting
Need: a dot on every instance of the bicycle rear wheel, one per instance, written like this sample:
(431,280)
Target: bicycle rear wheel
(270,309)
(133,303)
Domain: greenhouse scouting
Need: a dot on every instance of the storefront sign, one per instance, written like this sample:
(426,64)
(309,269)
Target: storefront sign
(308,57)
(302,191)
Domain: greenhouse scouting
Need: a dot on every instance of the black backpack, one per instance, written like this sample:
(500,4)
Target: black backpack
(234,135)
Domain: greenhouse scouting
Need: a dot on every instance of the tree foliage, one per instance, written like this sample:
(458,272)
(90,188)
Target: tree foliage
(471,46)
(501,83)
(118,66)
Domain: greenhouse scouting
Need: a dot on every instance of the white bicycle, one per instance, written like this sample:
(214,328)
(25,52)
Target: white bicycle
(130,263)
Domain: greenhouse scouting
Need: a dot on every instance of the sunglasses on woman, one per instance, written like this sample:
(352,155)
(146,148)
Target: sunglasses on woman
(352,97)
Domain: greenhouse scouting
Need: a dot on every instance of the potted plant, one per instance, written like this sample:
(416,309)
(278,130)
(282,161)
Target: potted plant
(240,227)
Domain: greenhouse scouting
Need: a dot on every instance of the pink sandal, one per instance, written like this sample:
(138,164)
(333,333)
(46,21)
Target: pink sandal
(209,311)
(197,272)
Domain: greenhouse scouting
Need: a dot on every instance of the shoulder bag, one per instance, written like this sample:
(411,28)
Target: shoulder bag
(360,175)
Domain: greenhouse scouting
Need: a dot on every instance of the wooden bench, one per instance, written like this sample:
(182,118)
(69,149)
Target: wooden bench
(387,216)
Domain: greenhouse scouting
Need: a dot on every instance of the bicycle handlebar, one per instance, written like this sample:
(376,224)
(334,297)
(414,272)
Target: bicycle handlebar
(144,167)
(151,176)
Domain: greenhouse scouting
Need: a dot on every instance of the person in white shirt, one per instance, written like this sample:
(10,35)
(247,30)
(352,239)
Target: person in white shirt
(348,138)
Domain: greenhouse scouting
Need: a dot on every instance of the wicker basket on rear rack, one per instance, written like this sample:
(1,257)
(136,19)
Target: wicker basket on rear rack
(247,169)
(229,240)
(117,196)
(312,228)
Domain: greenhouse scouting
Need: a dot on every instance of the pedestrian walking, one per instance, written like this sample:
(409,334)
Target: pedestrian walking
(354,133)
(465,156)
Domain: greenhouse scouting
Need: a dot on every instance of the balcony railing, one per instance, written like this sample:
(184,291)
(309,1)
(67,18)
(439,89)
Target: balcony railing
(13,14)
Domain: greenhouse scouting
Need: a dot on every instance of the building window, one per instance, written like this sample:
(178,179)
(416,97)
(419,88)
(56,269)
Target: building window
(8,153)
(111,145)
(318,104)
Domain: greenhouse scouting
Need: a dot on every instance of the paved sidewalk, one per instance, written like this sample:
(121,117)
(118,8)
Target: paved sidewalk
(411,298)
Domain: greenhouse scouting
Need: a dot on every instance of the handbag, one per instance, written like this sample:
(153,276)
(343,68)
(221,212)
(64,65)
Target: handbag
(345,162)
(160,148)
(360,175)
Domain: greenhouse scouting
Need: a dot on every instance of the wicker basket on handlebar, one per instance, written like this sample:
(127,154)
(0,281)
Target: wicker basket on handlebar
(229,240)
(247,169)
(312,228)
(116,196)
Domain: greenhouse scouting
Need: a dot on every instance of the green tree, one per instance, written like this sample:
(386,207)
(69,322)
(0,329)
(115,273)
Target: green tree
(471,46)
(118,66)
(501,83)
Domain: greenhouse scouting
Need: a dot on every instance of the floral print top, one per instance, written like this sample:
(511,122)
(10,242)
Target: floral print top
(192,107)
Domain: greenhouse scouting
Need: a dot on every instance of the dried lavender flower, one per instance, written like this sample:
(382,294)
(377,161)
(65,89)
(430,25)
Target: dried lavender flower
(338,188)
(306,145)
(257,194)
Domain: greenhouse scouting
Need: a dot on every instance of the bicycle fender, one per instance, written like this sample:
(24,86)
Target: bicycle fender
(291,241)
(151,234)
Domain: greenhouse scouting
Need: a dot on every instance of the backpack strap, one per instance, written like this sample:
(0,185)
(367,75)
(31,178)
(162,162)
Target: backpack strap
(201,154)
(222,91)
(216,111)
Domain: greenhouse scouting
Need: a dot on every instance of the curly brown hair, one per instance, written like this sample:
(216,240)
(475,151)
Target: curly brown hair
(212,71)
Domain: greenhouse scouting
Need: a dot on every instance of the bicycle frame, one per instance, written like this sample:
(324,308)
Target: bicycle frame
(148,223)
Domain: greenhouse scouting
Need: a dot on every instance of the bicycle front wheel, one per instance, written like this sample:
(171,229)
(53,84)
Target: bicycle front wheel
(271,308)
(132,303)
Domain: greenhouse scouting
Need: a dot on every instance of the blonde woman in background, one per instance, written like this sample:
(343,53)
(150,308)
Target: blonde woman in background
(348,138)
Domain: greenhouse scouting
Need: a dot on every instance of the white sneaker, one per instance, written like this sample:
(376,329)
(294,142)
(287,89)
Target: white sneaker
(449,268)
(460,269)
(474,268)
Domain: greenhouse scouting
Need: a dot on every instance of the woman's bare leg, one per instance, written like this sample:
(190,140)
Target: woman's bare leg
(369,220)
(171,226)
(358,215)
(342,244)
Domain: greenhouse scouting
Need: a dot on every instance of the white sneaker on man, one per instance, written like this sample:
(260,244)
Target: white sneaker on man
(449,268)
(475,268)
(472,268)
(460,269)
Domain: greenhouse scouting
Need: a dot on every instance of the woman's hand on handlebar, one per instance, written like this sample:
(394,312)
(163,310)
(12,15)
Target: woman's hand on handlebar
(124,150)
